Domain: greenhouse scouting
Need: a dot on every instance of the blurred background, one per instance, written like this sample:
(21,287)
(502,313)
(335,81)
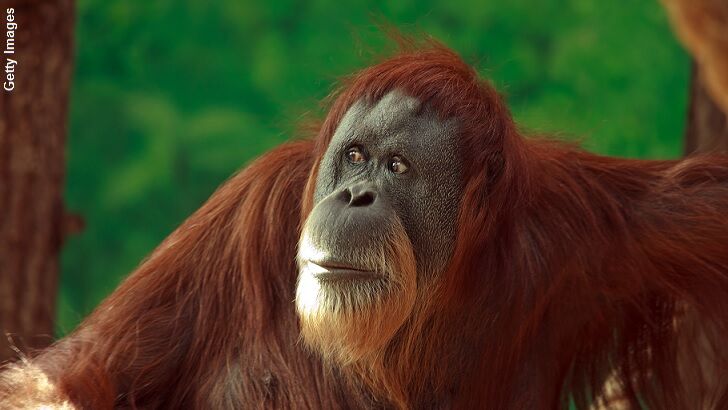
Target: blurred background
(169,98)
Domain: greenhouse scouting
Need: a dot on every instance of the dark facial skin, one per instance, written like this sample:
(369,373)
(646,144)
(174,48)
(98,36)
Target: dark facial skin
(389,162)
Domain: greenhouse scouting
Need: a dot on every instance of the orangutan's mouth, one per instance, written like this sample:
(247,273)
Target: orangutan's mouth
(329,271)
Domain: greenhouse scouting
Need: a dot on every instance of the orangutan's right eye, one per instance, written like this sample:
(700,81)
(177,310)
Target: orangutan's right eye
(355,156)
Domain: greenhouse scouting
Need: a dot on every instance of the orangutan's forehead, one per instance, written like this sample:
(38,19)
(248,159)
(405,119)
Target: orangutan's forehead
(396,119)
(387,115)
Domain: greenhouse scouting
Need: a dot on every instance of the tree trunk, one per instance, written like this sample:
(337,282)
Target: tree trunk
(33,123)
(707,126)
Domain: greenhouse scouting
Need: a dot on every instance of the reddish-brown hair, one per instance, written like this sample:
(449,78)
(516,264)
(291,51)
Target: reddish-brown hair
(207,321)
(572,272)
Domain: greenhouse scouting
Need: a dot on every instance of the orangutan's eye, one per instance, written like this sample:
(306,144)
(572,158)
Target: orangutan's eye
(398,165)
(355,156)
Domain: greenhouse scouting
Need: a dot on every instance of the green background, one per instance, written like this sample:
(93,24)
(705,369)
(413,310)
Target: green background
(171,97)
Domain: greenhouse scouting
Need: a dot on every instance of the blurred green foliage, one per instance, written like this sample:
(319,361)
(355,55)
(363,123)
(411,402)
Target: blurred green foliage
(171,97)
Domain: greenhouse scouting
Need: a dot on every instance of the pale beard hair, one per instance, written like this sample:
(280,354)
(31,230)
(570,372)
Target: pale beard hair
(348,320)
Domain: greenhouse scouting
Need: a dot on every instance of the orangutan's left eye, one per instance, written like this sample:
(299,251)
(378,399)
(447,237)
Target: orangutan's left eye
(398,165)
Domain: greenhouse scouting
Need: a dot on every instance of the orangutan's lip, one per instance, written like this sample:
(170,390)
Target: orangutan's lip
(335,271)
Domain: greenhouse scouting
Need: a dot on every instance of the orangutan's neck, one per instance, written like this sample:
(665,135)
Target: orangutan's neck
(425,362)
